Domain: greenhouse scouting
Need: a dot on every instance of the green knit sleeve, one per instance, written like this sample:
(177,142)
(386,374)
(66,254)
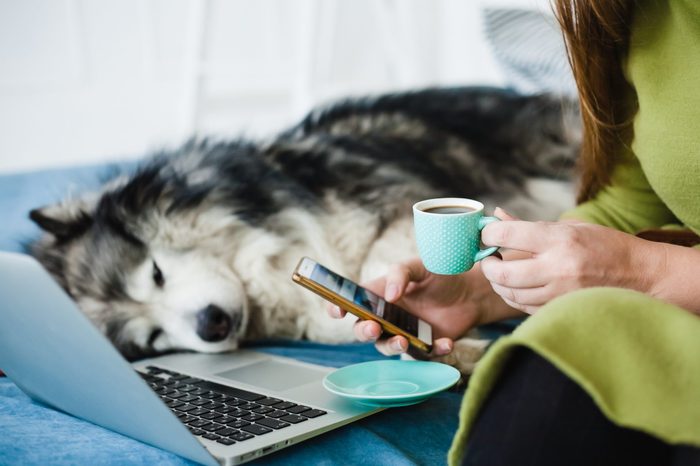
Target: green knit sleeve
(628,203)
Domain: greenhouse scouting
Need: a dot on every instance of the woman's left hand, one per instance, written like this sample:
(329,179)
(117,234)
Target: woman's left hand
(563,257)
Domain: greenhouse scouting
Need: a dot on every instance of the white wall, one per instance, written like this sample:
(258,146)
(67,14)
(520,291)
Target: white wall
(83,81)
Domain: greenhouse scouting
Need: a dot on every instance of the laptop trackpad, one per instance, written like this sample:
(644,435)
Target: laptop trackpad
(273,375)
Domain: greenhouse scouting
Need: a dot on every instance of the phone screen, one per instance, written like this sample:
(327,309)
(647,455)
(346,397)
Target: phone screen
(364,298)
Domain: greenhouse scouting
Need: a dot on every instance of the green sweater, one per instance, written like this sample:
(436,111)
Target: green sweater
(637,357)
(658,182)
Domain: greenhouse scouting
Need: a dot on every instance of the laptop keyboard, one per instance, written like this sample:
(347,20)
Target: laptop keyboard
(221,413)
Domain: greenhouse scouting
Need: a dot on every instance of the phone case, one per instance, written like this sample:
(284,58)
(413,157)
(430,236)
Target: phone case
(354,309)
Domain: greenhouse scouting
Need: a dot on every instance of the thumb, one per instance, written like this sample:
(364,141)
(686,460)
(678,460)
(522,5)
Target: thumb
(503,215)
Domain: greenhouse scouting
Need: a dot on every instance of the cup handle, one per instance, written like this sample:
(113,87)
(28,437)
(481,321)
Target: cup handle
(483,221)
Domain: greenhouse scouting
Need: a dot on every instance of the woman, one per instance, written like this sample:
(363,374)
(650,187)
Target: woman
(607,371)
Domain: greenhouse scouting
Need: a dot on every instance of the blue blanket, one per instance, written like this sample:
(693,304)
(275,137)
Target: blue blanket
(34,434)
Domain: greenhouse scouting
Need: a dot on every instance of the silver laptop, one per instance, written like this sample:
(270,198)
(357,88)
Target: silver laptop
(222,408)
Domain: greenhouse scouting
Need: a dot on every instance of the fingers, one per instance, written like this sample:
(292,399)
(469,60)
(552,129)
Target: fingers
(442,346)
(376,286)
(334,311)
(524,296)
(367,330)
(503,215)
(516,234)
(398,344)
(400,276)
(392,346)
(521,307)
(522,273)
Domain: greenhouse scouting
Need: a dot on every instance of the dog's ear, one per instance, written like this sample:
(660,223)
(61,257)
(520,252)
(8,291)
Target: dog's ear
(65,220)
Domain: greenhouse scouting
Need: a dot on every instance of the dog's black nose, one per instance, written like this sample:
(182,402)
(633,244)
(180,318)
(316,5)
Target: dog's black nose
(213,324)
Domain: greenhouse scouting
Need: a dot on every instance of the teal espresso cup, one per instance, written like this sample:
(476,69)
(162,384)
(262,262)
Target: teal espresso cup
(448,233)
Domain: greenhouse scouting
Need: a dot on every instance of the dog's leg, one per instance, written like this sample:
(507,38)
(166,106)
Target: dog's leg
(324,329)
(466,353)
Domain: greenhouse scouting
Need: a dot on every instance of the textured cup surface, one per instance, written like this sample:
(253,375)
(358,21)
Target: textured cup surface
(448,244)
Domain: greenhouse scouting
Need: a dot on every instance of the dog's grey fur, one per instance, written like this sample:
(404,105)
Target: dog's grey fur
(224,223)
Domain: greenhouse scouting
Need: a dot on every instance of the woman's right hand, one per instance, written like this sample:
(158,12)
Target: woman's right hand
(450,303)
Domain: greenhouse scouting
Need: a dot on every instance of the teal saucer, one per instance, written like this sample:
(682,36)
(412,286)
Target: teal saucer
(391,383)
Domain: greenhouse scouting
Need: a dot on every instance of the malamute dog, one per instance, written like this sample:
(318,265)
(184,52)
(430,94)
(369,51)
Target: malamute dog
(194,250)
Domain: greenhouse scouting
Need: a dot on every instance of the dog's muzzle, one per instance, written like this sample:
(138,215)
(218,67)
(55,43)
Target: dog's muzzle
(213,324)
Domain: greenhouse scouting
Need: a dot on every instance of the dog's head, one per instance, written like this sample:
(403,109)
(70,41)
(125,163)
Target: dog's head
(148,269)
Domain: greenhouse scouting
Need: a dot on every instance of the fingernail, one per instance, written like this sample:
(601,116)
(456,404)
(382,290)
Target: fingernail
(445,347)
(392,292)
(397,345)
(370,332)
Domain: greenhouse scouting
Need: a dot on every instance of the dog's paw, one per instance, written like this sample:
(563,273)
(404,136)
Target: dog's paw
(465,354)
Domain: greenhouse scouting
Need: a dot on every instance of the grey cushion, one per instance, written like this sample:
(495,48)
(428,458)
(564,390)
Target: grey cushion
(529,47)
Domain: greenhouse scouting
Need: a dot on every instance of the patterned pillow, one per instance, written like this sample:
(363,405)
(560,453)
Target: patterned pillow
(529,46)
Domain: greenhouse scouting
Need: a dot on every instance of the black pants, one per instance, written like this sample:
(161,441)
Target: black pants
(536,416)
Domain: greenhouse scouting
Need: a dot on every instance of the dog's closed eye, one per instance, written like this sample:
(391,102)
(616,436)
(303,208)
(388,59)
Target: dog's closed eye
(158,277)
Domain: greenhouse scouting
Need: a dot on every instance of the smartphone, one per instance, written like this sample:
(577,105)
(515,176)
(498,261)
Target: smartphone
(363,303)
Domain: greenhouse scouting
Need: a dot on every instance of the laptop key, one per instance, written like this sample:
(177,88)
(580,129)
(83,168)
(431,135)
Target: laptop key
(198,423)
(240,413)
(211,436)
(313,413)
(213,427)
(189,380)
(225,390)
(188,388)
(274,423)
(284,405)
(201,402)
(226,432)
(178,395)
(252,417)
(235,402)
(212,395)
(215,405)
(269,401)
(199,411)
(294,418)
(198,432)
(237,424)
(263,410)
(174,404)
(225,441)
(256,429)
(186,408)
(240,436)
(188,397)
(298,409)
(226,409)
(276,414)
(211,415)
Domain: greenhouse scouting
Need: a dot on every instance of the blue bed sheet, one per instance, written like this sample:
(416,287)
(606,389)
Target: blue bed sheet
(31,433)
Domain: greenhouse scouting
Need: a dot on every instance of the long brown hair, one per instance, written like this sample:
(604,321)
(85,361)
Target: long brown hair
(597,36)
